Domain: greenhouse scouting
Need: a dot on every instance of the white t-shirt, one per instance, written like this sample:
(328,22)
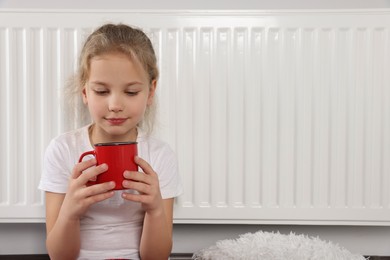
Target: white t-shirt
(111,228)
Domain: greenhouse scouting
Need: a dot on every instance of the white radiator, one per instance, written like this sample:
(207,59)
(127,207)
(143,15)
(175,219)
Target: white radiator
(276,117)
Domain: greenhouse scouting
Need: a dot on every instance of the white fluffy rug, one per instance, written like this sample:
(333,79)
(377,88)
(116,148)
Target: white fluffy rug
(275,246)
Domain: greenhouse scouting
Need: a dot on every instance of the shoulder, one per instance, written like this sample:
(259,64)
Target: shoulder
(68,143)
(60,157)
(164,162)
(71,136)
(154,146)
(157,152)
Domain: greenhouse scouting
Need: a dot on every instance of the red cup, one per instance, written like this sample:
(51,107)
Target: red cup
(119,156)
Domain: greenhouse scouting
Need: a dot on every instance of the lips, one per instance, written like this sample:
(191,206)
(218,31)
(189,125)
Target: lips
(116,121)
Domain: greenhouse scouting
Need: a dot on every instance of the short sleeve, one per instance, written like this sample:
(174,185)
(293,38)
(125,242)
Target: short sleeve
(56,171)
(166,167)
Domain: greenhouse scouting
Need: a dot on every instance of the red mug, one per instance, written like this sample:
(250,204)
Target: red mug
(119,156)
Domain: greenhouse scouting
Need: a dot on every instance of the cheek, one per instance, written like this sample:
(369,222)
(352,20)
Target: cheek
(140,106)
(140,109)
(95,107)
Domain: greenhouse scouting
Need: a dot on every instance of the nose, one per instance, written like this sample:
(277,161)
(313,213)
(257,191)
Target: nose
(116,103)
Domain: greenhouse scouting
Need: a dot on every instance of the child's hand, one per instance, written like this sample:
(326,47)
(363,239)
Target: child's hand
(147,184)
(79,196)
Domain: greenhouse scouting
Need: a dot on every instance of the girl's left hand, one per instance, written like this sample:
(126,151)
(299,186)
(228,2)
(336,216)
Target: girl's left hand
(147,184)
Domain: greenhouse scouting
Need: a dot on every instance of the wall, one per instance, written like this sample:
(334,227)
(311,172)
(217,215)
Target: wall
(189,238)
(200,4)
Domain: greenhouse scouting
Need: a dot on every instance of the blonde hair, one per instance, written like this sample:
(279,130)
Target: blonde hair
(111,38)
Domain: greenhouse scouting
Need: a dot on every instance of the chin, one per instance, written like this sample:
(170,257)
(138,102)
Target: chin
(118,130)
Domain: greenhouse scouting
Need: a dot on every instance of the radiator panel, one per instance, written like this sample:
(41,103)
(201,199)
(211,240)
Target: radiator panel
(276,117)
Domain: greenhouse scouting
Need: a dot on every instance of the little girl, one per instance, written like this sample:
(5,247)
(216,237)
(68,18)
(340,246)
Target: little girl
(117,79)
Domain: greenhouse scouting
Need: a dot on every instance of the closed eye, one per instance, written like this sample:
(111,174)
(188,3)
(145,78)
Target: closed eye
(132,93)
(101,92)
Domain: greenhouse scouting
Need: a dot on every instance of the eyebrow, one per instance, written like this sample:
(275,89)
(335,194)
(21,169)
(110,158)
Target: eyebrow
(129,84)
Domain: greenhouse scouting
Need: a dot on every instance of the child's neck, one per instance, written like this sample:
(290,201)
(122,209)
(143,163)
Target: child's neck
(96,137)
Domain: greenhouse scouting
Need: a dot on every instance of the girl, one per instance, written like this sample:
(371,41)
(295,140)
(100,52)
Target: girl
(117,79)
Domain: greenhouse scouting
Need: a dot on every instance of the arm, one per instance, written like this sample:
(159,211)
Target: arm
(63,211)
(156,238)
(63,235)
(157,233)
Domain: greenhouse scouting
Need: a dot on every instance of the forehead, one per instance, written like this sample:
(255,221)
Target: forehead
(115,64)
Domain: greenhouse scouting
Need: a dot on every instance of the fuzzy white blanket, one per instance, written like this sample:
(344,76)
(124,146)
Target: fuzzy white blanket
(275,246)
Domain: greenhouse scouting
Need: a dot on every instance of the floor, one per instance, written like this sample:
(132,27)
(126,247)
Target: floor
(173,257)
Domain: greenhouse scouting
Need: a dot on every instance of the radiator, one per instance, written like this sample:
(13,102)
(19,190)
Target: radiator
(277,117)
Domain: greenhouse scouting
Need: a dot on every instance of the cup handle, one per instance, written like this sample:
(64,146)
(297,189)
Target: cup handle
(90,182)
(85,154)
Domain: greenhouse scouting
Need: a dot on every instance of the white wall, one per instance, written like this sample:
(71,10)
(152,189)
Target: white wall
(189,238)
(199,4)
(30,238)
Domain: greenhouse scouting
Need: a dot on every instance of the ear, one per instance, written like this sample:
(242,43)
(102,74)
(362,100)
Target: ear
(152,92)
(84,94)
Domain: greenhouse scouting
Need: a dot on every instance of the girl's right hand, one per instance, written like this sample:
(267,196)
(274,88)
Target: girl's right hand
(79,196)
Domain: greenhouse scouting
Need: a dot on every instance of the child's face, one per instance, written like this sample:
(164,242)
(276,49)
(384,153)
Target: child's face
(117,94)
